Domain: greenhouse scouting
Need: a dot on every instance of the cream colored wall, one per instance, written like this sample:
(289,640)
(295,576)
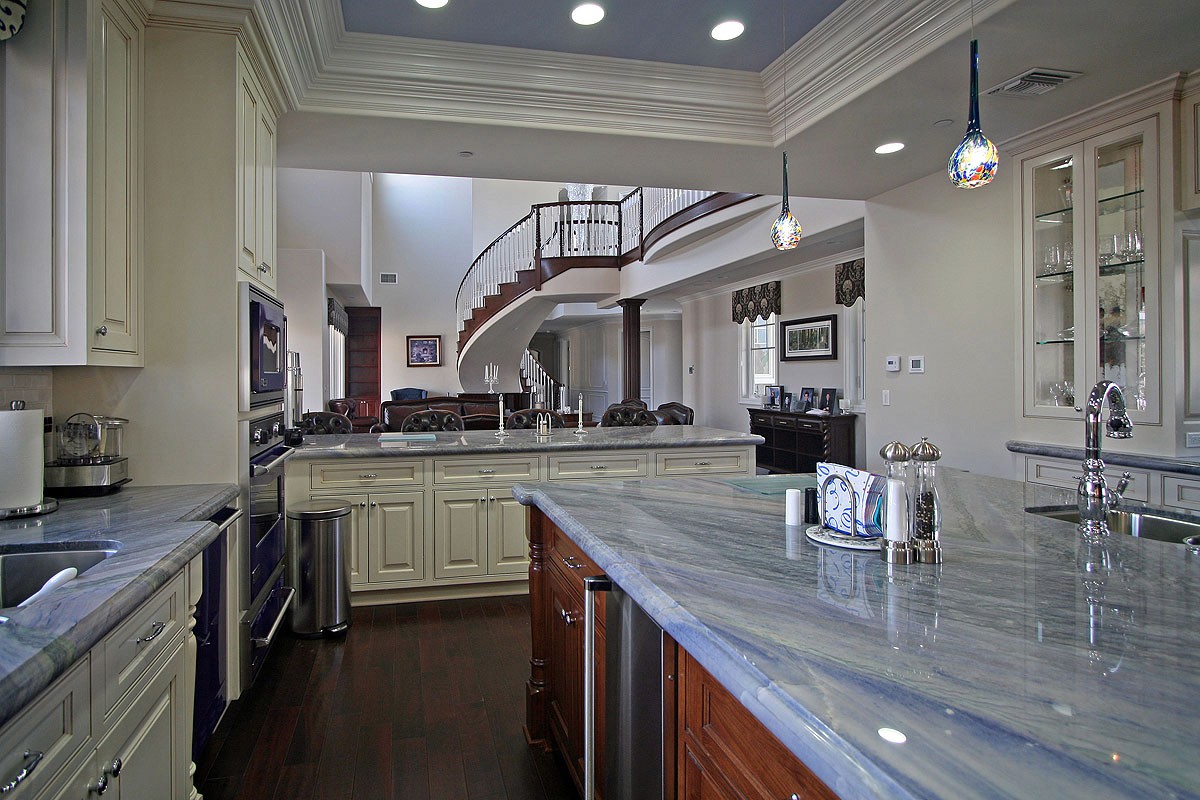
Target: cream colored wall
(302,290)
(496,205)
(417,224)
(666,359)
(324,210)
(942,283)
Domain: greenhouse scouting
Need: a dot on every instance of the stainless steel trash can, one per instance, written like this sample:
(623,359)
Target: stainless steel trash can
(318,564)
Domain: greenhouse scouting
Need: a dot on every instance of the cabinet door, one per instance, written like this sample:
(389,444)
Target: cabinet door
(564,669)
(698,783)
(114,264)
(460,533)
(248,223)
(508,535)
(396,537)
(359,526)
(265,187)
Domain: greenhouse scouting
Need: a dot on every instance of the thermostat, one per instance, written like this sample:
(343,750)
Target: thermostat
(891,363)
(916,364)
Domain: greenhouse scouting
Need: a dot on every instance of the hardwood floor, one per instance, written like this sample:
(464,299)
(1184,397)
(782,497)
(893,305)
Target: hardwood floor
(422,701)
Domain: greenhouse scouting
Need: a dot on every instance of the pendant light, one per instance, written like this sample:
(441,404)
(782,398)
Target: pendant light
(786,232)
(974,162)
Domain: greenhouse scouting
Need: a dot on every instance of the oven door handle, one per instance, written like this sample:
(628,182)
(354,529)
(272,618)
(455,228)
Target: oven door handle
(260,470)
(270,637)
(226,523)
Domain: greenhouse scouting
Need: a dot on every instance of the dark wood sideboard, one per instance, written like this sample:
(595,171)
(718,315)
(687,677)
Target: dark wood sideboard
(795,442)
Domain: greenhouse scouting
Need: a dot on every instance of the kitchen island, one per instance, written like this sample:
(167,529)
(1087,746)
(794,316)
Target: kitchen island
(433,516)
(1030,664)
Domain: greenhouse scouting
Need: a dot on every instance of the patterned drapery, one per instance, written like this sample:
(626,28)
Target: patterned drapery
(756,301)
(849,282)
(338,317)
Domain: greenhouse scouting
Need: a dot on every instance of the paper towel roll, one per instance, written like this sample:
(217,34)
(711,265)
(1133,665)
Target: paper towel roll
(21,444)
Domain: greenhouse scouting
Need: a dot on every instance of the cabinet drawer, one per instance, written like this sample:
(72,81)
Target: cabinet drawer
(1180,492)
(357,474)
(1065,474)
(57,725)
(133,646)
(594,465)
(760,419)
(566,557)
(800,424)
(491,470)
(702,463)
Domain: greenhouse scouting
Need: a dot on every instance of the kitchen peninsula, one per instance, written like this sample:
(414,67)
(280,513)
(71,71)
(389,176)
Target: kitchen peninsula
(433,516)
(1030,664)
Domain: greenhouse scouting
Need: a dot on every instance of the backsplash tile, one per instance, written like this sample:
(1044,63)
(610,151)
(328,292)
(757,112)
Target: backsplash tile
(34,385)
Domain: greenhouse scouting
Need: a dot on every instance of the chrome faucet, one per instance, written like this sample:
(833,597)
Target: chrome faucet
(1095,498)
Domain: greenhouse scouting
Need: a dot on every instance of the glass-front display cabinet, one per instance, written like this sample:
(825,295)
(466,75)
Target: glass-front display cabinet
(1090,273)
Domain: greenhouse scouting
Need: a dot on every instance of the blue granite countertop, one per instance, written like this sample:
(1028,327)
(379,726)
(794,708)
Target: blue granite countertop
(159,530)
(1183,466)
(1029,664)
(460,443)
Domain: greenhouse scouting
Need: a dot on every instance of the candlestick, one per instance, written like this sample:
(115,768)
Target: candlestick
(579,431)
(501,433)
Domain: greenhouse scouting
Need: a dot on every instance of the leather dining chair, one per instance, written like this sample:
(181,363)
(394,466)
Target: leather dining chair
(432,420)
(527,418)
(409,393)
(314,422)
(620,415)
(675,414)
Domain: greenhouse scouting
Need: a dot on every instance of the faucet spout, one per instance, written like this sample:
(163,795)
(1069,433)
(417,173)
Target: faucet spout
(1095,498)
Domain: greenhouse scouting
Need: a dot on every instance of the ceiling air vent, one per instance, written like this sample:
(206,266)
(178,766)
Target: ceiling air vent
(389,278)
(1038,80)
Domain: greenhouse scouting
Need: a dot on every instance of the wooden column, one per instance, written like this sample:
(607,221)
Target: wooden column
(631,335)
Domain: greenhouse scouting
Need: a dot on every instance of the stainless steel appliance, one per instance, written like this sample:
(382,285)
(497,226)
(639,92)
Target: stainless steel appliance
(88,458)
(264,597)
(633,713)
(293,400)
(211,676)
(263,367)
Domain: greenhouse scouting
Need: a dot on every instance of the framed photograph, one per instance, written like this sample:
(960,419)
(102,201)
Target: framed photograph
(424,351)
(809,339)
(785,403)
(807,399)
(829,400)
(773,396)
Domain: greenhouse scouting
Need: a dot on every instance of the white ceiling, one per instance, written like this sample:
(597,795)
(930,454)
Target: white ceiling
(385,103)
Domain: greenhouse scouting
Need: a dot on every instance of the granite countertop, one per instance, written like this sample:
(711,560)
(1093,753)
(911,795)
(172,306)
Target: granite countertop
(1029,664)
(1184,466)
(159,530)
(461,443)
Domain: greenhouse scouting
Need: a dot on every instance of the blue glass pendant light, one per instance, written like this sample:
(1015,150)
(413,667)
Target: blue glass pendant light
(785,233)
(974,162)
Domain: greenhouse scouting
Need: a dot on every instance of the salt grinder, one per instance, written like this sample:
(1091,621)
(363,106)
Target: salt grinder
(898,547)
(927,509)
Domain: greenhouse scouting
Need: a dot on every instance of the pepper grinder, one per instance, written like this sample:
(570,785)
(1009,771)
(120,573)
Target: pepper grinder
(927,510)
(898,547)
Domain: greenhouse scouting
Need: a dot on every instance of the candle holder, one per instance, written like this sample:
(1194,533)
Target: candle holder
(501,433)
(491,376)
(579,431)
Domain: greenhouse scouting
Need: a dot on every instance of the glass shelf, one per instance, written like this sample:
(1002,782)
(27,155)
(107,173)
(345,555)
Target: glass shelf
(1056,341)
(1058,216)
(1124,196)
(1051,278)
(1121,267)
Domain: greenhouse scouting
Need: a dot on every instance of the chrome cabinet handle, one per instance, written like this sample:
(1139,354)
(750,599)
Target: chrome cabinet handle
(369,475)
(571,563)
(270,637)
(487,472)
(102,330)
(100,786)
(599,466)
(32,759)
(158,628)
(567,616)
(703,464)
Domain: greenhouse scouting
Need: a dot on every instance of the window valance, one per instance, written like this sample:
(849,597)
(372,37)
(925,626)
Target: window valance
(756,301)
(338,318)
(849,282)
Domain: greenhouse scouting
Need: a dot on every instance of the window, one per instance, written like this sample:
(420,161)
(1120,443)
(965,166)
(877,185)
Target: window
(758,360)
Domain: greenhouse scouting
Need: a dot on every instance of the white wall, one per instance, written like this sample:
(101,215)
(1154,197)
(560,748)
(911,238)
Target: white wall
(942,283)
(302,290)
(496,205)
(418,232)
(325,210)
(666,359)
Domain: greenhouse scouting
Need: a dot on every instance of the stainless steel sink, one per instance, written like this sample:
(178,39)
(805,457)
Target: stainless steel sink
(25,568)
(1147,523)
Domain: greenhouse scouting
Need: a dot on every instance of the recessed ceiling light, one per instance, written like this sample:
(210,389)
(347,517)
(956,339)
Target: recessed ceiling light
(941,123)
(432,3)
(890,147)
(465,153)
(587,14)
(730,29)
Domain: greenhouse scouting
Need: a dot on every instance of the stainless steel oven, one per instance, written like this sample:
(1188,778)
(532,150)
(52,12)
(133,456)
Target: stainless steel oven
(265,598)
(263,367)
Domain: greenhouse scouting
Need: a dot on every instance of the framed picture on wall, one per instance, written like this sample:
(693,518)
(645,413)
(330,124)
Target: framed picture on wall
(809,339)
(424,351)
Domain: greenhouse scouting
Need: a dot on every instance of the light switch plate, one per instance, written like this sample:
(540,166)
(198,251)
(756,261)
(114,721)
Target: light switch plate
(916,363)
(1193,440)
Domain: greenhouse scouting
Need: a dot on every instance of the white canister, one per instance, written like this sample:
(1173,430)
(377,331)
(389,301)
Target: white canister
(23,447)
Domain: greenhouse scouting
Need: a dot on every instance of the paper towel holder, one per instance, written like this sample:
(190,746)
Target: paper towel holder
(47,505)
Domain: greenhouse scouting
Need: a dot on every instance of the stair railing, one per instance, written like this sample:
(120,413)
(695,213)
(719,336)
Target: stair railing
(538,381)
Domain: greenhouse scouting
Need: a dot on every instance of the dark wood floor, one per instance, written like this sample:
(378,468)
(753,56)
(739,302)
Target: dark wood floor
(421,701)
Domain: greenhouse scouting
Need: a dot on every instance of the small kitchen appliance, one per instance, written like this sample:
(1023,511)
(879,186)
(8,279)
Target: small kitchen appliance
(88,458)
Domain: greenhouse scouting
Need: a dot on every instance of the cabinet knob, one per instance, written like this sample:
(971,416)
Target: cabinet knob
(374,504)
(102,330)
(100,786)
(362,504)
(263,267)
(1080,410)
(115,767)
(567,617)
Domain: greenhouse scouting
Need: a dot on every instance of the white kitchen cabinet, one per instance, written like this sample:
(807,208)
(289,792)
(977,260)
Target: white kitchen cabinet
(386,537)
(479,532)
(1090,271)
(255,179)
(73,186)
(1189,178)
